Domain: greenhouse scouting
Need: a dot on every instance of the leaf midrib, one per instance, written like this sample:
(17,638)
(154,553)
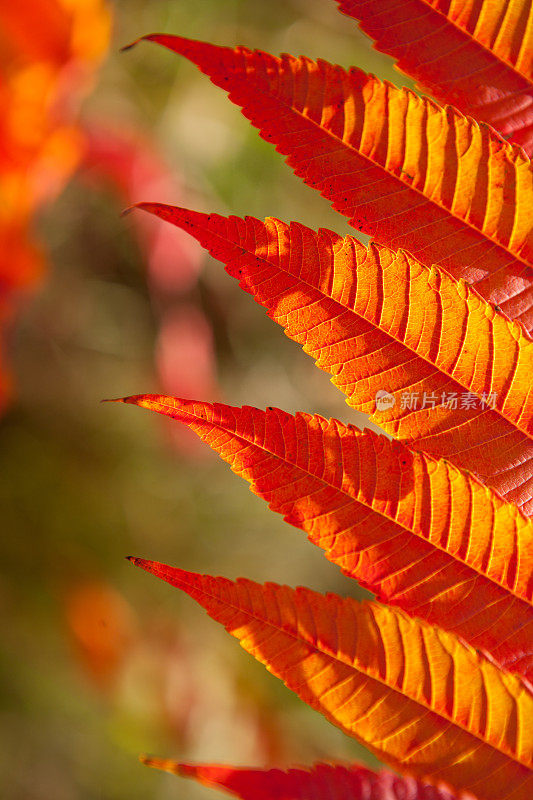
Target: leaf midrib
(338,657)
(462,31)
(477,43)
(364,503)
(250,80)
(394,338)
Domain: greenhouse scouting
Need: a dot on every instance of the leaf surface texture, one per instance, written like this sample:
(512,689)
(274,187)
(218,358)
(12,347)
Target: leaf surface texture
(475,56)
(378,320)
(400,167)
(419,533)
(321,782)
(415,695)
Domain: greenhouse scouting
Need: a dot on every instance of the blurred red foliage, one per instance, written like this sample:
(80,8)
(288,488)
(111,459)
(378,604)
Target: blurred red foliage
(42,81)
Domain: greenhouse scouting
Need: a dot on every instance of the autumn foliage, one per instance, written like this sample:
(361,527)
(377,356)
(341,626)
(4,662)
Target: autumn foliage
(42,81)
(427,329)
(45,140)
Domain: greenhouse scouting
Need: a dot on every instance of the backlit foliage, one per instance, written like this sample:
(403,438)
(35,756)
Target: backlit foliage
(427,330)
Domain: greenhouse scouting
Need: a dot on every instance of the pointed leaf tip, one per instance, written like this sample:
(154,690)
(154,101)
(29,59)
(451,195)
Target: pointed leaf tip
(154,37)
(306,639)
(143,563)
(184,218)
(129,46)
(179,578)
(163,404)
(164,764)
(194,50)
(182,45)
(135,399)
(143,206)
(139,562)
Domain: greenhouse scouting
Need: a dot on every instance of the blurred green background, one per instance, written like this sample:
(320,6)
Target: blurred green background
(84,484)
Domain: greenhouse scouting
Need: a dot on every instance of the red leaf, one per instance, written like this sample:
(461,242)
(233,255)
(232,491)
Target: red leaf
(475,56)
(416,532)
(379,320)
(410,173)
(416,696)
(321,782)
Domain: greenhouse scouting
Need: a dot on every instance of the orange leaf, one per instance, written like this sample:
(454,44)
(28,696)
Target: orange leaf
(321,782)
(102,626)
(419,533)
(400,167)
(378,320)
(68,30)
(416,696)
(476,56)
